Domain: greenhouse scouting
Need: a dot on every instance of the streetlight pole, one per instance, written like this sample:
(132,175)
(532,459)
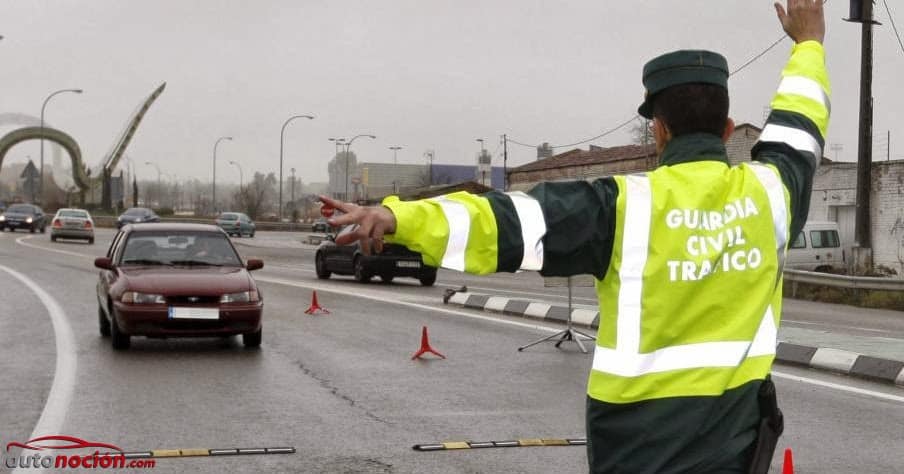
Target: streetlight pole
(215,171)
(159,188)
(293,187)
(348,147)
(241,179)
(282,134)
(395,156)
(44,106)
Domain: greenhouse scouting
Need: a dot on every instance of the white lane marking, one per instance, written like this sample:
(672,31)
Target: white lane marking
(21,241)
(811,323)
(54,413)
(843,388)
(310,269)
(374,297)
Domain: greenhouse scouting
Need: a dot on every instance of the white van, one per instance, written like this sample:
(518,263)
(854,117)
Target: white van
(817,248)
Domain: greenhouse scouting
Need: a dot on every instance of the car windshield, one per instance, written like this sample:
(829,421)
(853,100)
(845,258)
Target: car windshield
(21,208)
(73,213)
(179,248)
(136,212)
(229,217)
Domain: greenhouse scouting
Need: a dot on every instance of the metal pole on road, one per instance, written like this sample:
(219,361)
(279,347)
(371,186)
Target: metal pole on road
(241,179)
(348,147)
(395,156)
(159,189)
(282,134)
(214,203)
(44,106)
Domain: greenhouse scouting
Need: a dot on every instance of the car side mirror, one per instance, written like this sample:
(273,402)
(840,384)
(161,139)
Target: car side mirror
(103,263)
(254,264)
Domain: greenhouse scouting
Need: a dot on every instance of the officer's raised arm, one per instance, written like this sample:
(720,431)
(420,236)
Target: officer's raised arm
(794,136)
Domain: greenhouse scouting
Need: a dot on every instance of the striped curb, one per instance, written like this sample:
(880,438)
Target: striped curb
(834,360)
(844,362)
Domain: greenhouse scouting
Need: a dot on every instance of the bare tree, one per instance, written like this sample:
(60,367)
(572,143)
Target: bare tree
(257,197)
(642,131)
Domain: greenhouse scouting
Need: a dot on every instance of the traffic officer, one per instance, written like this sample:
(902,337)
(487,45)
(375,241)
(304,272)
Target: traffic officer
(687,259)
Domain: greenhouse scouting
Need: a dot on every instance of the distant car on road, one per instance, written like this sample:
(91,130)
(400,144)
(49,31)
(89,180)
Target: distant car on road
(176,280)
(72,224)
(23,216)
(321,225)
(393,261)
(135,215)
(236,223)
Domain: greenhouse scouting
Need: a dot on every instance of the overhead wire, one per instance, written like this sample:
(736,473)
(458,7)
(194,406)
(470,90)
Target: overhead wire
(636,116)
(893,26)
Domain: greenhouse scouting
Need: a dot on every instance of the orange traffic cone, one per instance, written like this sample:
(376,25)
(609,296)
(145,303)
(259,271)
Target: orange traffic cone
(315,306)
(788,465)
(425,346)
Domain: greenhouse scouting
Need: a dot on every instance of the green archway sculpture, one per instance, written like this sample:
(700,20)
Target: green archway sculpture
(80,174)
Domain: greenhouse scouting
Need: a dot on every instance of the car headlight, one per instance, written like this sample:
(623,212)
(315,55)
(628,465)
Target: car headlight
(2,218)
(241,297)
(138,219)
(134,297)
(28,220)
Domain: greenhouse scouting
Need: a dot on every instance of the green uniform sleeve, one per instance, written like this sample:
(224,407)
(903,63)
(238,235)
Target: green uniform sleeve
(580,218)
(794,135)
(556,228)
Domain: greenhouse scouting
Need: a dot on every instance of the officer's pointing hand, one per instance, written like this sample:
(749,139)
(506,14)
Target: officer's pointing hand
(804,20)
(373,223)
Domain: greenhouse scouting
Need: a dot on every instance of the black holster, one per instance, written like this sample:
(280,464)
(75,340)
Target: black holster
(772,423)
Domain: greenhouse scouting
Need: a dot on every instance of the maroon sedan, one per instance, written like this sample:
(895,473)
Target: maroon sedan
(176,280)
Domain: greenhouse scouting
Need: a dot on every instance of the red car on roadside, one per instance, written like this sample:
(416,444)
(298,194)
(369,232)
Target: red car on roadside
(177,280)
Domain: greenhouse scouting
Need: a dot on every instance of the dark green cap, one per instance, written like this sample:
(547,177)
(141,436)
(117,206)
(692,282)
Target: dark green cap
(681,67)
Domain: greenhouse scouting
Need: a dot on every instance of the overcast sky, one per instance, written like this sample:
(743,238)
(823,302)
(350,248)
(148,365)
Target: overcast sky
(421,74)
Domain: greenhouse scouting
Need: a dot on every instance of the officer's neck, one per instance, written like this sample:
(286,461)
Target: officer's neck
(693,147)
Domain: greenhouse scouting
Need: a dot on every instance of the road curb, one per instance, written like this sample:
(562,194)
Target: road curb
(823,358)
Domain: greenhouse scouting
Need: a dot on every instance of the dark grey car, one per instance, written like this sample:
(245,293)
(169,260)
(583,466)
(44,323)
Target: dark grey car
(136,215)
(23,216)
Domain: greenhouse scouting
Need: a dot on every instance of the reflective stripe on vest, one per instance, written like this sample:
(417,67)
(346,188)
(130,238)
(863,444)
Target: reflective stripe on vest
(625,359)
(459,222)
(533,228)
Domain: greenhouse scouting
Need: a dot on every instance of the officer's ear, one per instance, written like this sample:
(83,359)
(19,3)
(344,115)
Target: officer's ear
(661,134)
(729,129)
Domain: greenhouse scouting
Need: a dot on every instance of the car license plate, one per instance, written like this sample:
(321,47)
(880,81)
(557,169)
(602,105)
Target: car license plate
(176,312)
(408,264)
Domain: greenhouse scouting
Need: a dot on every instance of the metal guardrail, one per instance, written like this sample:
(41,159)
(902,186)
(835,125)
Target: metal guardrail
(793,276)
(844,281)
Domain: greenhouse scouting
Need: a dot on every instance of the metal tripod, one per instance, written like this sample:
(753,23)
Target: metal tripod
(568,334)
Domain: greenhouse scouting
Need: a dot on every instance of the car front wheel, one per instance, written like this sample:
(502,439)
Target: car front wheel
(360,272)
(103,322)
(320,267)
(120,340)
(428,280)
(252,339)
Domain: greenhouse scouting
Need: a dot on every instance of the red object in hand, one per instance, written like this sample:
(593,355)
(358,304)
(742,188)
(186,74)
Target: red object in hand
(326,211)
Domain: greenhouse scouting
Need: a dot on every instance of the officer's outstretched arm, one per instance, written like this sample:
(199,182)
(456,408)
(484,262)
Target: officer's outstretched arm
(794,135)
(557,228)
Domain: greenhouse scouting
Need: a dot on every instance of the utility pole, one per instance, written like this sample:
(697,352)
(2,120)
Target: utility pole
(504,162)
(862,12)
